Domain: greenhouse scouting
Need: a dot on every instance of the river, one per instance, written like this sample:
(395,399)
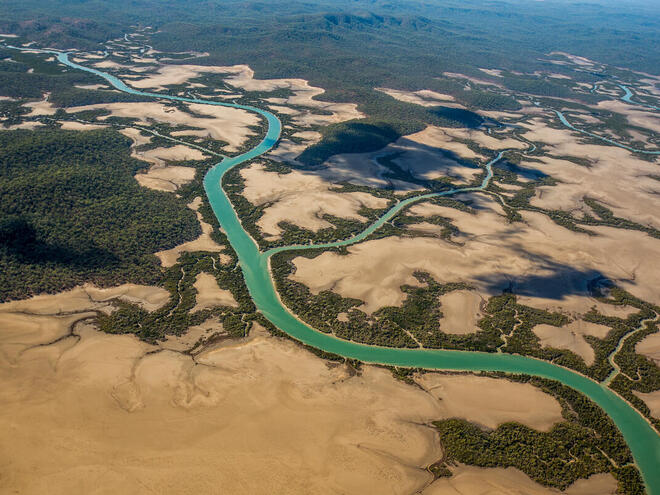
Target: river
(643,440)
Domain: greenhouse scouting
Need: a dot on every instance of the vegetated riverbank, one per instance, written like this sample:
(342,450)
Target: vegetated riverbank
(642,439)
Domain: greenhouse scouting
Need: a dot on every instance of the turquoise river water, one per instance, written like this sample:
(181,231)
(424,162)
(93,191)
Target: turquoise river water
(643,440)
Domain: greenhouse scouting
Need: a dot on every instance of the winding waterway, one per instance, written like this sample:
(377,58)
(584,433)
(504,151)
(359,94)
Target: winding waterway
(643,440)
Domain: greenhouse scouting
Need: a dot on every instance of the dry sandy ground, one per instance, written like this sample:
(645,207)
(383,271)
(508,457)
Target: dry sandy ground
(25,125)
(241,76)
(444,139)
(485,140)
(635,114)
(475,80)
(538,258)
(209,295)
(616,177)
(222,123)
(163,177)
(288,150)
(204,242)
(461,310)
(422,154)
(571,337)
(459,393)
(101,413)
(301,199)
(424,97)
(650,347)
(78,126)
(40,108)
(469,480)
(652,400)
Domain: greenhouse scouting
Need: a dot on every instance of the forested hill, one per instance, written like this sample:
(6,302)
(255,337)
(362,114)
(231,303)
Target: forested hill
(455,32)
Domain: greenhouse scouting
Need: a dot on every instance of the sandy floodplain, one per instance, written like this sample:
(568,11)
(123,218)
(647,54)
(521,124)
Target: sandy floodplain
(204,242)
(650,347)
(231,125)
(571,337)
(536,258)
(470,480)
(461,310)
(257,415)
(424,97)
(621,181)
(242,77)
(209,295)
(164,177)
(301,199)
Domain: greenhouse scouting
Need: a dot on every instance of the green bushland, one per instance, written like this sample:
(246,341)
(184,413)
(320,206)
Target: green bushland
(585,443)
(72,212)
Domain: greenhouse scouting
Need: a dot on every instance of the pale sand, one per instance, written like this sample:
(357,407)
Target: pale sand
(470,480)
(25,125)
(241,76)
(195,334)
(136,136)
(287,150)
(209,295)
(635,114)
(583,61)
(163,177)
(539,258)
(67,125)
(420,153)
(166,178)
(40,108)
(461,310)
(91,86)
(88,297)
(267,417)
(571,337)
(177,153)
(444,139)
(616,177)
(652,400)
(492,72)
(475,80)
(576,306)
(482,399)
(650,347)
(425,97)
(204,242)
(301,199)
(222,123)
(485,140)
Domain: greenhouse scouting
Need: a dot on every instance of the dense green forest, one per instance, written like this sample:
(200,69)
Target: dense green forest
(71,212)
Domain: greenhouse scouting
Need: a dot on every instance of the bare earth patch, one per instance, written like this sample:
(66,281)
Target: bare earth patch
(500,481)
(209,295)
(301,199)
(571,337)
(461,310)
(204,242)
